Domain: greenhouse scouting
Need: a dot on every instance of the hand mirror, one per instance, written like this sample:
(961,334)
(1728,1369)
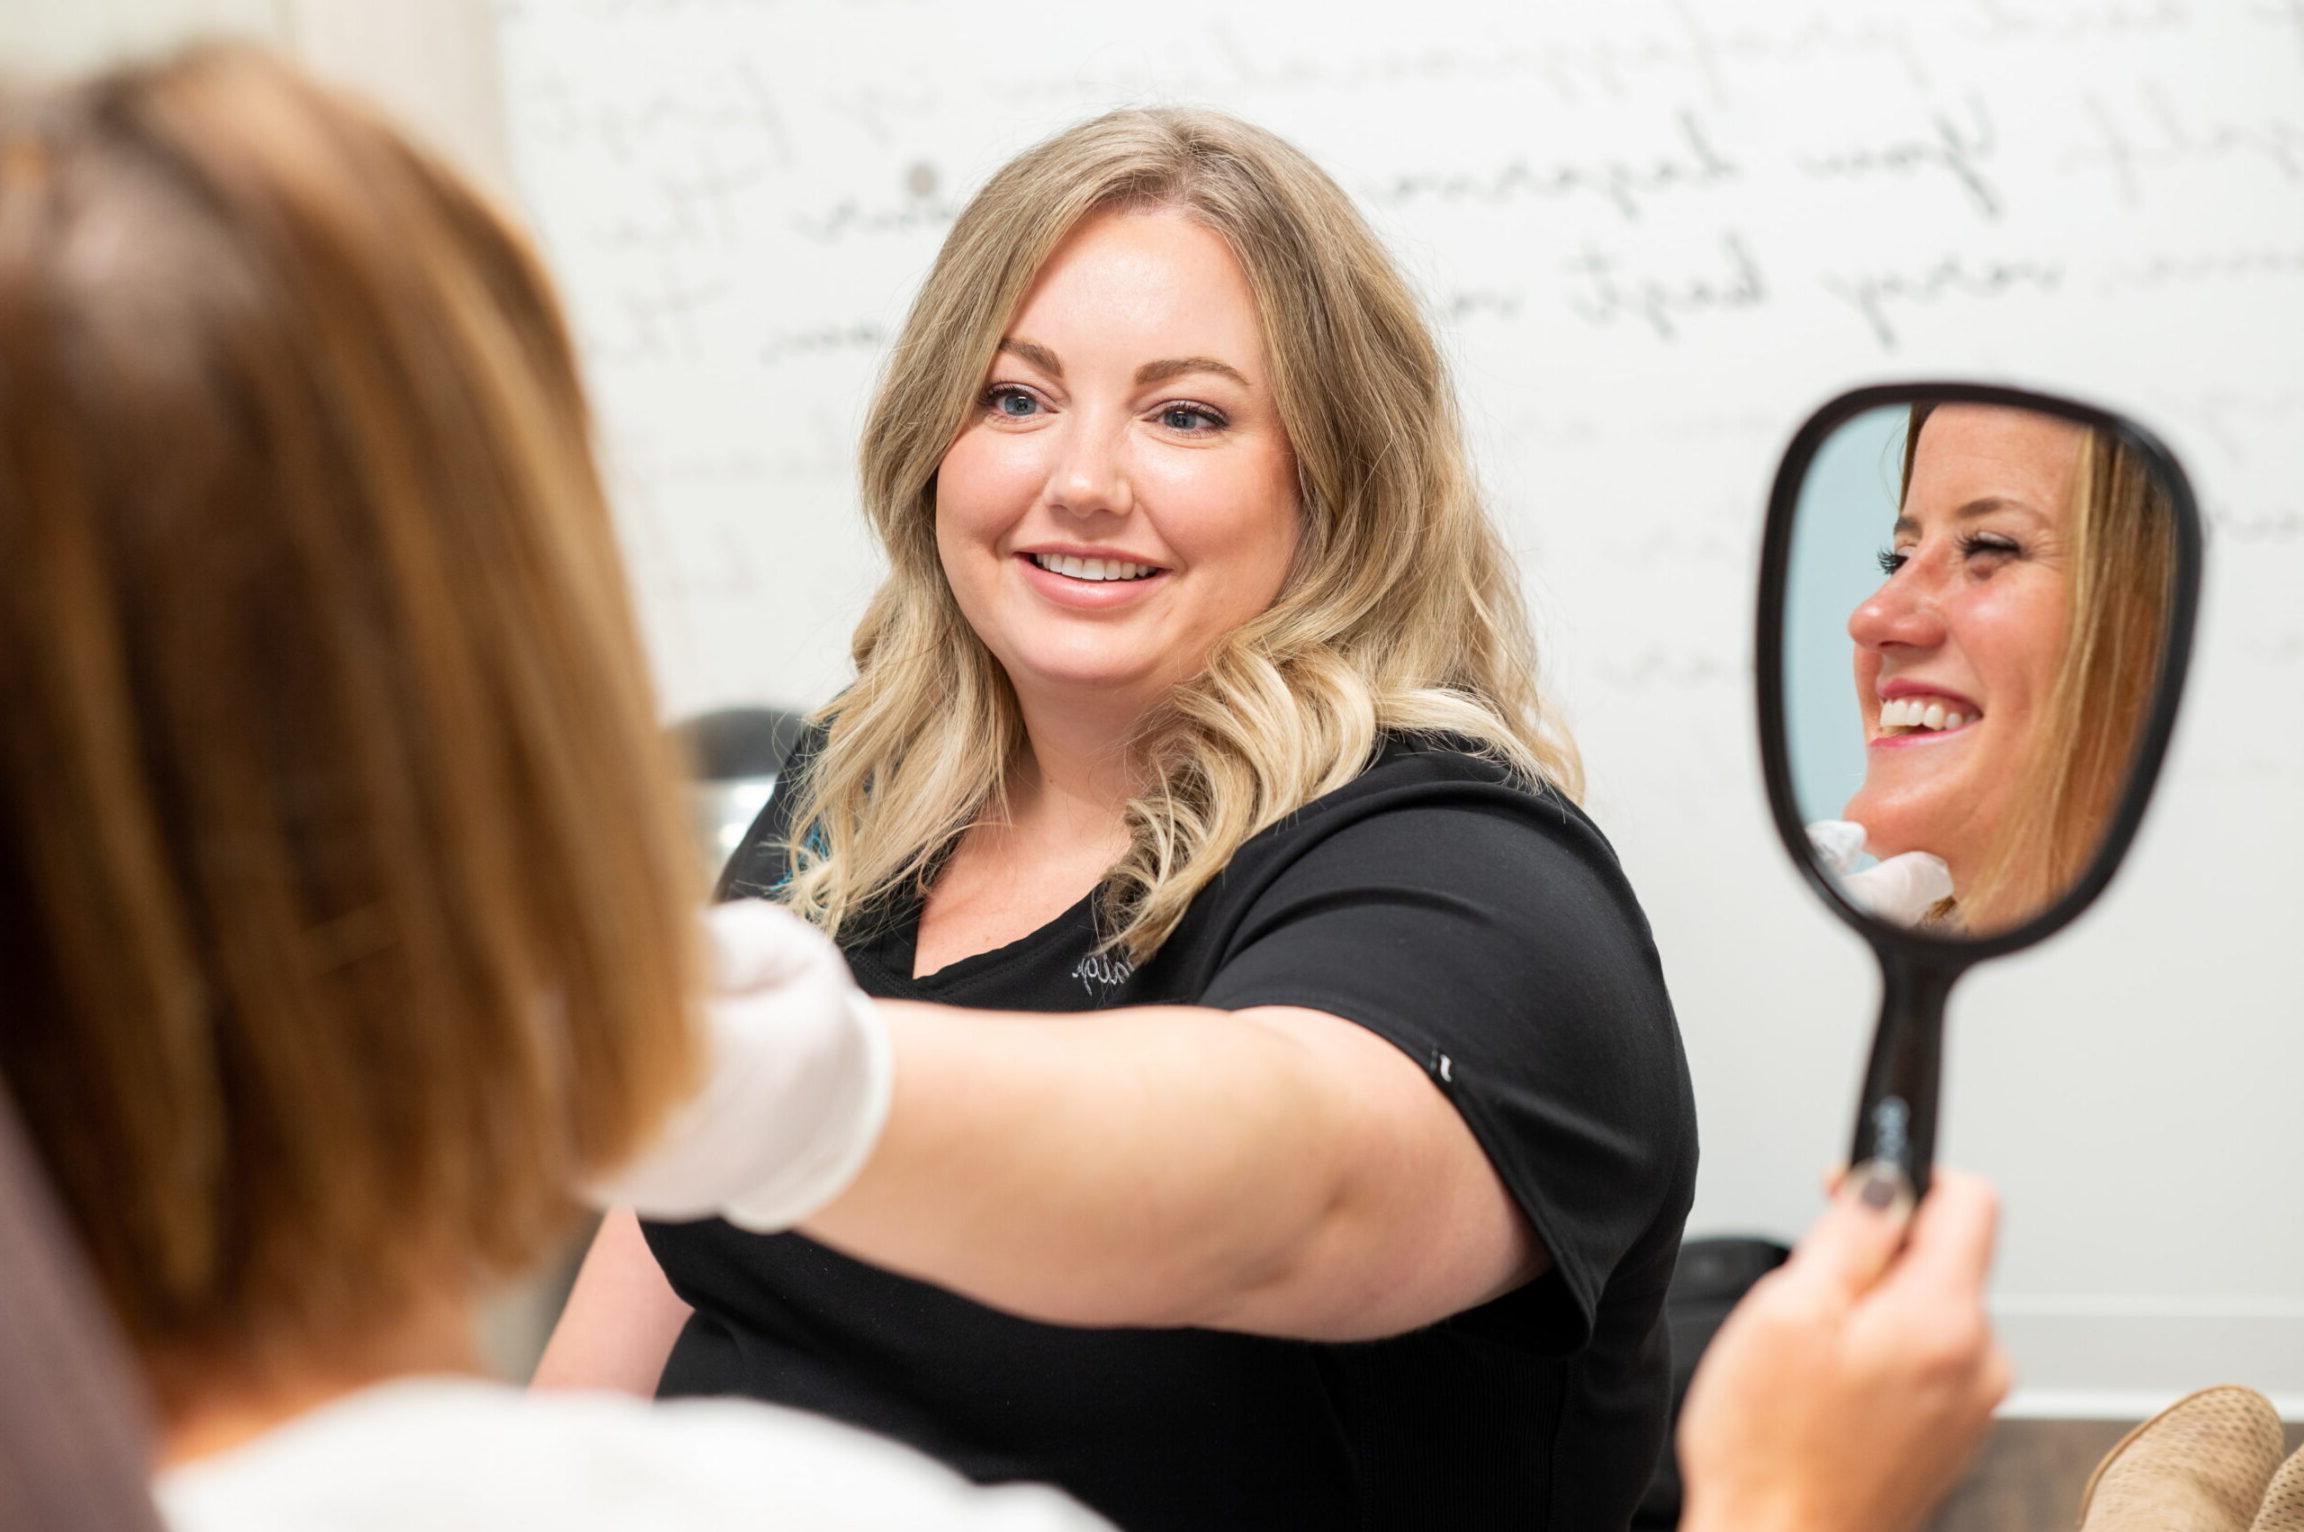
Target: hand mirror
(1976,610)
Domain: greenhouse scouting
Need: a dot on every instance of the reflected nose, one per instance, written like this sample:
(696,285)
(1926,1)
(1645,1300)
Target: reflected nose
(1901,612)
(1090,475)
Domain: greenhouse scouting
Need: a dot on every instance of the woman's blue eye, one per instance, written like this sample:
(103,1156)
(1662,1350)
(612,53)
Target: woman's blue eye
(1190,417)
(1009,400)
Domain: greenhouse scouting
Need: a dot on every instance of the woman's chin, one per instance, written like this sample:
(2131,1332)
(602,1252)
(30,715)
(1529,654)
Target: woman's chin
(1892,824)
(1100,678)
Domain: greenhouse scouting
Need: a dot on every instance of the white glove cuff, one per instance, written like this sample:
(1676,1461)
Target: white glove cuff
(798,1079)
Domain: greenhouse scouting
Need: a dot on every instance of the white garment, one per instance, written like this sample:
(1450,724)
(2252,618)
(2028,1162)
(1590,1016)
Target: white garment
(462,1455)
(1900,889)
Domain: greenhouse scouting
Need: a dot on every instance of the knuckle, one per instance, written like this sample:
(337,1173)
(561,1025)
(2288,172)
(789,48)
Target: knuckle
(1998,1376)
(1954,1348)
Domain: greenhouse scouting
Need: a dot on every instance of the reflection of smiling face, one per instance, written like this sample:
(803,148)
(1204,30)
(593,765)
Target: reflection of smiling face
(1125,494)
(1957,653)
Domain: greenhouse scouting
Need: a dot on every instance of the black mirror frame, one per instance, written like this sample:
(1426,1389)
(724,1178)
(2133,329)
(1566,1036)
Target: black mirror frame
(1897,1112)
(1937,952)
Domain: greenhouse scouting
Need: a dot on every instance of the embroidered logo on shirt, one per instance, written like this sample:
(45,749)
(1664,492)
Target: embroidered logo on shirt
(1102,971)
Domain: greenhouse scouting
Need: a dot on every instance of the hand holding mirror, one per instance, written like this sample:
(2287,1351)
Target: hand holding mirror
(1976,609)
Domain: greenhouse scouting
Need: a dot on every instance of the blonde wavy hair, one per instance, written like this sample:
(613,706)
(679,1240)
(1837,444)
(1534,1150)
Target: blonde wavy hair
(1401,616)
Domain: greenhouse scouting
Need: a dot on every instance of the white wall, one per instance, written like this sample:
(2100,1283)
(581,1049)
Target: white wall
(431,61)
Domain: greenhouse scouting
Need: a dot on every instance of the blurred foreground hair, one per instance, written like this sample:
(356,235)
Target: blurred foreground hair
(346,905)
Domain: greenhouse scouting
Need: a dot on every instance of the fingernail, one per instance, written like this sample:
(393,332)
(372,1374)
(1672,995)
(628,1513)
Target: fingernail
(1882,1187)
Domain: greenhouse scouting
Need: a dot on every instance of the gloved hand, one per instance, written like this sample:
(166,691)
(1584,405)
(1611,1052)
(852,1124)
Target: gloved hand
(1901,888)
(797,1087)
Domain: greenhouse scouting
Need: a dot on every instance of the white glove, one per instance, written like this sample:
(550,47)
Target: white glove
(1902,888)
(797,1089)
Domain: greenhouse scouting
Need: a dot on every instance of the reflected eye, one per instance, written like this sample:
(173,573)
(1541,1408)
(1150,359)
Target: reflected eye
(1011,402)
(1191,419)
(1989,550)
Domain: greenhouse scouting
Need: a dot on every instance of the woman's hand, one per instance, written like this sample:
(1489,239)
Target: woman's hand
(1847,1392)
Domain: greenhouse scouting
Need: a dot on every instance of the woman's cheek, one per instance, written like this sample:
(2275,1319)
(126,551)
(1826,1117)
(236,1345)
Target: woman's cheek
(2016,634)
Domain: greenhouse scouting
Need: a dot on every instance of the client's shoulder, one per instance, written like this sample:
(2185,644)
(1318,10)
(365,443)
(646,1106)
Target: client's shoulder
(451,1455)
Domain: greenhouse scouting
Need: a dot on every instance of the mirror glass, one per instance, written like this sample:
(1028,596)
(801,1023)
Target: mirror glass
(1977,603)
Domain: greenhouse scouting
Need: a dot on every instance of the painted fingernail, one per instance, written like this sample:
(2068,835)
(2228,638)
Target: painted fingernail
(1883,1186)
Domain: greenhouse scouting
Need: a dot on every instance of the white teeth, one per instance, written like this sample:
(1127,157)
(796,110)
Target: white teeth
(1904,713)
(1092,569)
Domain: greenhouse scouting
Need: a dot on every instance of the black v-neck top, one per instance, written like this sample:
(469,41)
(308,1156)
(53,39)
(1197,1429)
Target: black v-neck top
(1486,931)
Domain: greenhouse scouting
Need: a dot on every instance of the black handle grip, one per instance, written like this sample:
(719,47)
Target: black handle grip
(1896,1119)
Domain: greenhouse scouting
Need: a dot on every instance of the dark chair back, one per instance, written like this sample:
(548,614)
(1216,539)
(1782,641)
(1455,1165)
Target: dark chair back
(75,1442)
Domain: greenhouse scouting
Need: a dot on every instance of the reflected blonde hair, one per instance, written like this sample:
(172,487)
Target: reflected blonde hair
(1402,614)
(2122,543)
(347,906)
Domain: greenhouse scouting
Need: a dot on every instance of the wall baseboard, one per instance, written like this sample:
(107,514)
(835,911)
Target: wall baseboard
(2092,1358)
(2112,1404)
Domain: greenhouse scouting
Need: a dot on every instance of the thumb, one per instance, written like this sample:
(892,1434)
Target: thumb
(1853,1244)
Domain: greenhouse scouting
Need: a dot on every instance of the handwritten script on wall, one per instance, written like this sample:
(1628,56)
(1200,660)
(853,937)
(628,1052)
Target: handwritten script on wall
(1653,234)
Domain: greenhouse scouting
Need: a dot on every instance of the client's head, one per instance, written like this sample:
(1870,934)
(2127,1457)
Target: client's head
(2006,666)
(344,898)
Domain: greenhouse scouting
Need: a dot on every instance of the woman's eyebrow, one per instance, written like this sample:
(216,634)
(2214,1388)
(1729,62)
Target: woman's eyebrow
(1983,506)
(1175,367)
(1035,353)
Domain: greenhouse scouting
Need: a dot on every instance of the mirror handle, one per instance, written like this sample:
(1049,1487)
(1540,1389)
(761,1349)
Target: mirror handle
(1896,1120)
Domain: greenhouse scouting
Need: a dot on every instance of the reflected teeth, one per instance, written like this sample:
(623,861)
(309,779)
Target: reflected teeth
(1093,569)
(1905,714)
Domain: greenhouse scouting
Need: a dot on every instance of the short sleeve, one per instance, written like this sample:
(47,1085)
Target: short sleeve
(1488,933)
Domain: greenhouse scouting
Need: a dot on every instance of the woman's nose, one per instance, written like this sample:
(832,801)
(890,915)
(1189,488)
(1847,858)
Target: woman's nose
(1090,475)
(1901,611)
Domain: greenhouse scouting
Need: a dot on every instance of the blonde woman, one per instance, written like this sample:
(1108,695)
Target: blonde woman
(1343,1184)
(2005,667)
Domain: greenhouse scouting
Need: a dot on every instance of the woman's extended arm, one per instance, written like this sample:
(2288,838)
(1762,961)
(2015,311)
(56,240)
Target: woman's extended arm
(1273,1170)
(620,1321)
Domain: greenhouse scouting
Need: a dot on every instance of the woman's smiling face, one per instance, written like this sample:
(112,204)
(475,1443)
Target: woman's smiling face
(1124,494)
(1958,651)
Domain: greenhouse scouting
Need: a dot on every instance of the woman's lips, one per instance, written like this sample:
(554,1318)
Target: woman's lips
(1917,737)
(1088,595)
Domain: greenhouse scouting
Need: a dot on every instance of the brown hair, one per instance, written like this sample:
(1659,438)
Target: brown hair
(345,901)
(1403,613)
(2123,540)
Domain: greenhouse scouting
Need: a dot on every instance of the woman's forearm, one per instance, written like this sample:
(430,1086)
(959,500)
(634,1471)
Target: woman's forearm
(1136,1167)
